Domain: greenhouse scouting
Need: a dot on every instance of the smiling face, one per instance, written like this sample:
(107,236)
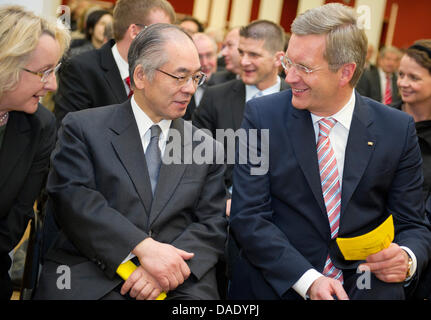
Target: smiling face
(162,97)
(319,91)
(259,66)
(414,82)
(25,96)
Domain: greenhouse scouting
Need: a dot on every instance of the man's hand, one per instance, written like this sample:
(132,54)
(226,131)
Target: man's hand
(164,262)
(325,288)
(142,285)
(388,265)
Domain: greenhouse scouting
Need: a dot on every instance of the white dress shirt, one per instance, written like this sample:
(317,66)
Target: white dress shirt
(251,90)
(338,137)
(122,65)
(144,127)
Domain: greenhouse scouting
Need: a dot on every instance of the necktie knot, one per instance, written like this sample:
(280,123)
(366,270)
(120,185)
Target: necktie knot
(325,126)
(258,94)
(155,131)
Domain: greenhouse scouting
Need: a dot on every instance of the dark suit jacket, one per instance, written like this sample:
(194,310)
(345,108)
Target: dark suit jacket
(369,86)
(89,80)
(222,107)
(24,161)
(279,219)
(101,194)
(216,78)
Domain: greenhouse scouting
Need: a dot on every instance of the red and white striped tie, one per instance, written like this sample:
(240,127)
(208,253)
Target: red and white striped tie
(330,187)
(130,87)
(388,91)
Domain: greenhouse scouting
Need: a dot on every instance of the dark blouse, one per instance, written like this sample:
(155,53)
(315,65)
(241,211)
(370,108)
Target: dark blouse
(423,129)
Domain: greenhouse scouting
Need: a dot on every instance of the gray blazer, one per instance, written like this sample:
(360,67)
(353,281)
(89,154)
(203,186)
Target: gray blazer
(101,194)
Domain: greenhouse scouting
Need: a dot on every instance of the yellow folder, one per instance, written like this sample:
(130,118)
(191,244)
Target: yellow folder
(126,269)
(359,248)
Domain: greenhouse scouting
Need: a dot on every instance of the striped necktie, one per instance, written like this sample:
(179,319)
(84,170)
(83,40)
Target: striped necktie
(330,187)
(388,91)
(130,87)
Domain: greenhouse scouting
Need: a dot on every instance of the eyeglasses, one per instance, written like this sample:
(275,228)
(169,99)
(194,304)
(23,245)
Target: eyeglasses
(301,69)
(197,78)
(44,76)
(143,26)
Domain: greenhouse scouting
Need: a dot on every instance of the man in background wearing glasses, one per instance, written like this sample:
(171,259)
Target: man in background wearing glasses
(339,165)
(116,198)
(101,77)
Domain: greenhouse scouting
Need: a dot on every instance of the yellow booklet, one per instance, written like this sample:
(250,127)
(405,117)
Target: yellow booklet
(359,248)
(126,269)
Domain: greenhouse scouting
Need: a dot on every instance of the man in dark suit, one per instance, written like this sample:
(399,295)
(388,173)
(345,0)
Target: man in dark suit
(98,77)
(207,49)
(113,202)
(380,83)
(338,165)
(222,106)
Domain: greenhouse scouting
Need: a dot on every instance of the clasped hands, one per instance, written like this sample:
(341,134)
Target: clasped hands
(163,268)
(388,265)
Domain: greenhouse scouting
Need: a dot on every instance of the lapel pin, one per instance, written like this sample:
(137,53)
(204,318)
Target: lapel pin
(370,143)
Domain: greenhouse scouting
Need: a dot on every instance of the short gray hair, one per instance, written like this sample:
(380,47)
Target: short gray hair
(148,48)
(346,42)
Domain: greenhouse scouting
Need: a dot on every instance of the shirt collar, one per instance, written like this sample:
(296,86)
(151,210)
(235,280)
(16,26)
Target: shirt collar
(344,116)
(122,64)
(251,90)
(144,122)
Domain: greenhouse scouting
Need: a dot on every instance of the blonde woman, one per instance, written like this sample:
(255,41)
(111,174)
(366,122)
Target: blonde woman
(30,49)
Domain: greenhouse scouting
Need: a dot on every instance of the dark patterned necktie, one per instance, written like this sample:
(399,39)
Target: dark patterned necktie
(153,156)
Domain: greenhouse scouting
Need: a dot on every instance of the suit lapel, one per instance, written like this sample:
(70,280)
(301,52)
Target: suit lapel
(17,138)
(128,146)
(170,174)
(359,148)
(301,130)
(112,74)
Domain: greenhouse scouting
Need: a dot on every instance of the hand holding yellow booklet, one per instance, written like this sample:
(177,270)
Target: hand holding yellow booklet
(126,269)
(359,248)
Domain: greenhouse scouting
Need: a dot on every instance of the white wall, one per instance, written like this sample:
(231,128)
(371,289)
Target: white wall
(46,8)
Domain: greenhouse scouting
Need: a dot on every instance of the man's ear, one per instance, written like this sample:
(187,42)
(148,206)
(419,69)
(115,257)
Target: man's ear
(347,71)
(278,56)
(132,31)
(139,78)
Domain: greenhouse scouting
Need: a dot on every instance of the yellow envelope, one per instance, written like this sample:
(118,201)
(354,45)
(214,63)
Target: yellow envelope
(126,269)
(359,248)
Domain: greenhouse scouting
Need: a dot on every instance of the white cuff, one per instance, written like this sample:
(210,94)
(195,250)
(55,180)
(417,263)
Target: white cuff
(414,260)
(303,284)
(129,257)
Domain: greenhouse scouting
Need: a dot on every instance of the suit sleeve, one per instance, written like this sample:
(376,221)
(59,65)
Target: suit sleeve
(72,94)
(205,116)
(100,232)
(22,209)
(262,242)
(207,236)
